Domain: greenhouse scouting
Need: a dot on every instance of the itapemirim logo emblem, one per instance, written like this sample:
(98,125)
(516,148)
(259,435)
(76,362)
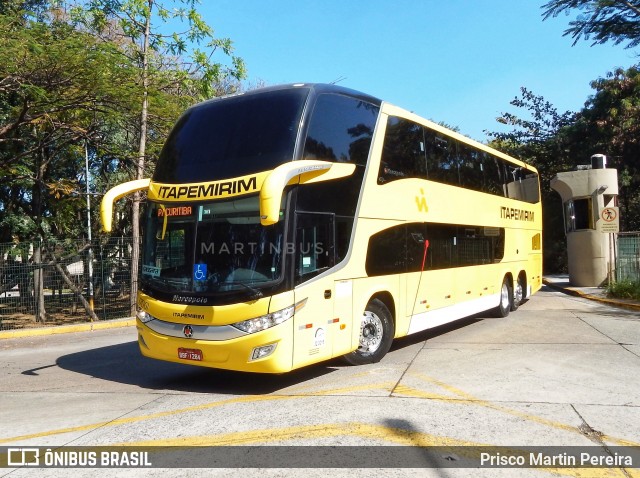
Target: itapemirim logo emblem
(421,202)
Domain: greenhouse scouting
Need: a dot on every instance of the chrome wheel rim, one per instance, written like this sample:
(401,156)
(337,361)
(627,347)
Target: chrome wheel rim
(517,296)
(504,296)
(370,333)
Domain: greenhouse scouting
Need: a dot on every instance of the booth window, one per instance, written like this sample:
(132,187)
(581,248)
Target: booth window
(578,214)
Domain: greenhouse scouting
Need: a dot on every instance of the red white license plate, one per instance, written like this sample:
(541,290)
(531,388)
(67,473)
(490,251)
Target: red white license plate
(190,354)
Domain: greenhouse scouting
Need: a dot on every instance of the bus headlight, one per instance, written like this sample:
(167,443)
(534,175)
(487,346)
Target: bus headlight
(144,316)
(264,322)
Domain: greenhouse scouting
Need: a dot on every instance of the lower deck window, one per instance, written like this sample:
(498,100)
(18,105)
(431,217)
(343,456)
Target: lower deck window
(402,248)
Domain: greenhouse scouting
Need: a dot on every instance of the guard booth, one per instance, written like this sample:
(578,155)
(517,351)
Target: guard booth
(591,218)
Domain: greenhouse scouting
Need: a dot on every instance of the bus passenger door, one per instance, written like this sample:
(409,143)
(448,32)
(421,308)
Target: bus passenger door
(314,254)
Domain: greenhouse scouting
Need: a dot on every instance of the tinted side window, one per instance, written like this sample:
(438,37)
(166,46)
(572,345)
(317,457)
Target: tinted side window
(453,162)
(479,245)
(460,246)
(471,168)
(386,253)
(340,129)
(403,154)
(522,184)
(494,175)
(396,250)
(442,252)
(402,248)
(314,245)
(416,236)
(442,160)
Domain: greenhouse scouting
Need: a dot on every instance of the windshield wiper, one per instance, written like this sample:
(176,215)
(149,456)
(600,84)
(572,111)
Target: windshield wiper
(255,293)
(165,284)
(158,282)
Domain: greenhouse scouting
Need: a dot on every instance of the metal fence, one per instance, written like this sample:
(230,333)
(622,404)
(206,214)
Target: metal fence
(61,282)
(628,257)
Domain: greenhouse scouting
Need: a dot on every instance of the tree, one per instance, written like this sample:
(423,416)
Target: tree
(58,86)
(132,21)
(538,136)
(602,21)
(610,123)
(541,137)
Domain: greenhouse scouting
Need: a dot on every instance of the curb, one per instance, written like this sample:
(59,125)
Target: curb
(602,300)
(67,329)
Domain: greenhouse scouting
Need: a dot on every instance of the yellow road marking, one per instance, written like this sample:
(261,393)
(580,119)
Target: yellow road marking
(123,421)
(370,432)
(372,386)
(252,398)
(470,399)
(367,431)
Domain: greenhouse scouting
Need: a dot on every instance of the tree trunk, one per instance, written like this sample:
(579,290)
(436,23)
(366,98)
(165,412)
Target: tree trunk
(135,219)
(24,283)
(36,208)
(38,284)
(77,290)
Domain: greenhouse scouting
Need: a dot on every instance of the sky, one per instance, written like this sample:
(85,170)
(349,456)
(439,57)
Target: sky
(454,61)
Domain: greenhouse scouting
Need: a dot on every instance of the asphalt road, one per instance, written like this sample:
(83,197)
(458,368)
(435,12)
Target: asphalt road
(561,371)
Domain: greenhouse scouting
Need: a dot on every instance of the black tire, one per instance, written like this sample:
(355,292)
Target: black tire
(506,299)
(518,293)
(376,335)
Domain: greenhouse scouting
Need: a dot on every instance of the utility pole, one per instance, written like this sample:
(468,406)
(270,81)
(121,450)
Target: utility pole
(90,250)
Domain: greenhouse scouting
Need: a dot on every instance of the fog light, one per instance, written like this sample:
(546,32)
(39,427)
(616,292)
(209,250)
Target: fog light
(263,351)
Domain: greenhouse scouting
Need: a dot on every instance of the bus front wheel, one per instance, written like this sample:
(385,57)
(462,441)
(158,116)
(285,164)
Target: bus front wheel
(376,335)
(506,299)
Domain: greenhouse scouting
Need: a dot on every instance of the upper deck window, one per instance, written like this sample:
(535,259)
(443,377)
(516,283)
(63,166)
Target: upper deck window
(232,137)
(340,129)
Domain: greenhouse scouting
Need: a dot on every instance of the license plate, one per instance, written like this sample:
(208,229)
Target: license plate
(190,354)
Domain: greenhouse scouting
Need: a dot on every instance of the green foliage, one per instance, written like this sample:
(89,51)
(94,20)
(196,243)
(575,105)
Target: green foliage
(601,21)
(127,20)
(609,123)
(58,88)
(538,136)
(624,290)
(62,88)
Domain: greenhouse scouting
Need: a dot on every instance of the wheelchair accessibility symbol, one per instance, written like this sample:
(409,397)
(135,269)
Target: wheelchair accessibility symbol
(199,272)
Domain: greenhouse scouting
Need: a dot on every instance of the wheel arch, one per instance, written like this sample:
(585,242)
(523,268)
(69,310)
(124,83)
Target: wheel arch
(387,299)
(525,283)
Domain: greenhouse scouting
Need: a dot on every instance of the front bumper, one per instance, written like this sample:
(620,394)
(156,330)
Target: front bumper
(231,354)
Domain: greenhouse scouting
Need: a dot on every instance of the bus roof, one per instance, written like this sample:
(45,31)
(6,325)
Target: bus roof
(317,88)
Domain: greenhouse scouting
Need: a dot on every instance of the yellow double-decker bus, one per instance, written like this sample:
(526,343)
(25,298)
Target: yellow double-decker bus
(293,224)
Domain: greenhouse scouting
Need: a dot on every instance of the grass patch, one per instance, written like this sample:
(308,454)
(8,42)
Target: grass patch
(625,289)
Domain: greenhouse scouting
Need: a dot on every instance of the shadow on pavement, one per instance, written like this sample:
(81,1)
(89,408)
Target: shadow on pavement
(123,363)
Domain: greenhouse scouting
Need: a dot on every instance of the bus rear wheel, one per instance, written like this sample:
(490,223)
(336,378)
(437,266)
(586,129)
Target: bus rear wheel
(518,293)
(506,299)
(376,335)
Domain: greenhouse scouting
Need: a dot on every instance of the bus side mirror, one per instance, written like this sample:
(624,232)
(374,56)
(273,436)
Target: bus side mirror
(305,171)
(115,193)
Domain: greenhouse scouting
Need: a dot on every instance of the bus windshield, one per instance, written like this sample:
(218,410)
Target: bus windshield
(232,137)
(211,248)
